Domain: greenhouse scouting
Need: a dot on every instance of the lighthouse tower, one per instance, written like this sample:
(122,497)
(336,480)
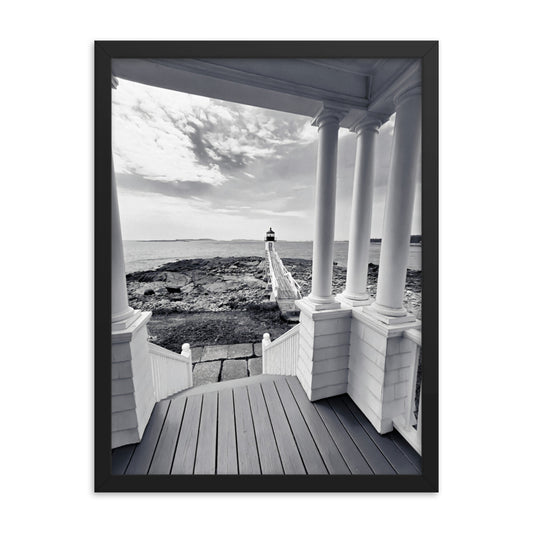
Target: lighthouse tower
(269,240)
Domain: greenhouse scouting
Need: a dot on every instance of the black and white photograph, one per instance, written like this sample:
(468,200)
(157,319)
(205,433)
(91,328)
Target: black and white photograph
(266,266)
(267,245)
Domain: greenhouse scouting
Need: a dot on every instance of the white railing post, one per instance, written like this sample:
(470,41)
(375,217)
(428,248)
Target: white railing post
(266,340)
(264,344)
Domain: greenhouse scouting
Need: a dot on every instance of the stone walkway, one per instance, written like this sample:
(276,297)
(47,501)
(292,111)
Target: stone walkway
(224,362)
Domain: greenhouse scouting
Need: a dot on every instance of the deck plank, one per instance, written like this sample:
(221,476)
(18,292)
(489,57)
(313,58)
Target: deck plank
(326,445)
(396,458)
(120,458)
(304,440)
(227,443)
(188,439)
(366,445)
(349,450)
(144,452)
(266,443)
(264,426)
(288,451)
(206,451)
(246,443)
(406,448)
(164,451)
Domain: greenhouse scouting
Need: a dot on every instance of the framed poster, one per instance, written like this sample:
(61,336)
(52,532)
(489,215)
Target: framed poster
(266,259)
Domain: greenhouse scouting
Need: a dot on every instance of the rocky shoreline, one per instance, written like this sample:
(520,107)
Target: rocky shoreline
(225,300)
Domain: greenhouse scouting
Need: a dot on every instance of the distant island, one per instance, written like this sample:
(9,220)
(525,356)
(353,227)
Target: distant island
(171,240)
(415,239)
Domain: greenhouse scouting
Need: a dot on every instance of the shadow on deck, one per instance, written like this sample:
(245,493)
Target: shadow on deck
(262,425)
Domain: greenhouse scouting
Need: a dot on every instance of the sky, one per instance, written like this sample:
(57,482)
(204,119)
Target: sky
(190,167)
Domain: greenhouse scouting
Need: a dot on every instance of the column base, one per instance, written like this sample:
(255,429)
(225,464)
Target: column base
(125,320)
(324,344)
(348,301)
(132,387)
(318,304)
(381,366)
(382,314)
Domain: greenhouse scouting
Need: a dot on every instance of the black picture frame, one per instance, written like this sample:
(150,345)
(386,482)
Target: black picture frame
(104,53)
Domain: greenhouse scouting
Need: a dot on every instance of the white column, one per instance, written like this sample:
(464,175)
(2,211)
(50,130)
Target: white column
(326,178)
(121,312)
(361,216)
(405,165)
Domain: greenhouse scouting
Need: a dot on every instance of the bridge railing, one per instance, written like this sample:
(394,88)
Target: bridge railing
(295,285)
(297,290)
(273,280)
(281,356)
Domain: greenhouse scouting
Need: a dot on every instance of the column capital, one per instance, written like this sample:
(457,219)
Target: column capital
(404,95)
(370,121)
(329,114)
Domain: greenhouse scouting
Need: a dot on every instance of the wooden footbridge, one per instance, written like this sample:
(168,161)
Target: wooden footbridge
(285,289)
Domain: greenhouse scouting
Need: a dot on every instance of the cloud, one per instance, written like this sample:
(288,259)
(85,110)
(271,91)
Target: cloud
(178,189)
(191,167)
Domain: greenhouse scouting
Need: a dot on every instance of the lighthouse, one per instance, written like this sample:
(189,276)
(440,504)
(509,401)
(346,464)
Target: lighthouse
(269,240)
(270,235)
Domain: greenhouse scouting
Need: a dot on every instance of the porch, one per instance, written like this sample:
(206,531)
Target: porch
(262,425)
(348,373)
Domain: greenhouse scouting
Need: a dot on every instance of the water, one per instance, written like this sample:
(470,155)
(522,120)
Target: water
(148,255)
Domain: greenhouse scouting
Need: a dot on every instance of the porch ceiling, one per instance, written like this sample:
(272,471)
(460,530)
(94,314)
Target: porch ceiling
(299,86)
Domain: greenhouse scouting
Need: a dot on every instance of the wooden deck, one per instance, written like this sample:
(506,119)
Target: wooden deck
(262,425)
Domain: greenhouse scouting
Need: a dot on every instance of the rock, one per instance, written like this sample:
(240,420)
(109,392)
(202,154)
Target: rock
(161,290)
(234,370)
(188,288)
(149,292)
(255,366)
(196,353)
(258,349)
(178,279)
(217,287)
(212,353)
(173,288)
(206,373)
(253,282)
(240,350)
(201,279)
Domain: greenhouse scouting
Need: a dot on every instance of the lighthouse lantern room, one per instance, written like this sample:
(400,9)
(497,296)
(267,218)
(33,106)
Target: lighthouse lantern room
(270,235)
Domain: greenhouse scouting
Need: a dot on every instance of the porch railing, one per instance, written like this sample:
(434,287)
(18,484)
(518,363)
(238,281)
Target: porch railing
(281,356)
(171,372)
(409,425)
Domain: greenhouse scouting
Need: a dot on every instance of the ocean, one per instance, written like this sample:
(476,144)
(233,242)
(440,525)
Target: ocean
(148,255)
